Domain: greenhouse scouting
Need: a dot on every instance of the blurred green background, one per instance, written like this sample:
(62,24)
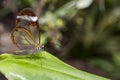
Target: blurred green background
(82,33)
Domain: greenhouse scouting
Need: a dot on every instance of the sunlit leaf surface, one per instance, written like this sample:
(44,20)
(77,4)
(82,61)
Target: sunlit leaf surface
(40,66)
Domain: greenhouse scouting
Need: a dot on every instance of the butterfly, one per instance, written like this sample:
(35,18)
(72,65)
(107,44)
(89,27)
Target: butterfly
(26,34)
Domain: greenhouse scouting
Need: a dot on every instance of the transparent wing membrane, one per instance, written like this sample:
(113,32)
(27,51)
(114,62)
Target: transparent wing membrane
(26,34)
(23,38)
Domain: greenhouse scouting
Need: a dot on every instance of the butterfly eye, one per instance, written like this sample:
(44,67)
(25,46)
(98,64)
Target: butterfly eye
(26,34)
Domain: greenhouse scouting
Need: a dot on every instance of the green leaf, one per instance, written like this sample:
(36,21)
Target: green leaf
(40,66)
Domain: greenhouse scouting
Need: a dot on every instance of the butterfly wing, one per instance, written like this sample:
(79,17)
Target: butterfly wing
(26,34)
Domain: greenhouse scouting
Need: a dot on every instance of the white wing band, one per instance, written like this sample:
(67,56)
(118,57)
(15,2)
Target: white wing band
(29,18)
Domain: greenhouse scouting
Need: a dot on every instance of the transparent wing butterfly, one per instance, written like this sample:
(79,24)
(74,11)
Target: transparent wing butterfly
(26,34)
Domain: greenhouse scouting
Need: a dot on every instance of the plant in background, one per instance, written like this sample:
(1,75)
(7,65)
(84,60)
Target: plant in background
(90,33)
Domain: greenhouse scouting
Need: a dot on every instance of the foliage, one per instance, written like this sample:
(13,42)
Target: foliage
(40,66)
(89,33)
